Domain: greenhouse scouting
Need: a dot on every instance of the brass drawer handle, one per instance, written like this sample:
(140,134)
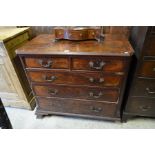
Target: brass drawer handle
(149,91)
(92,80)
(52,92)
(45,64)
(91,94)
(49,79)
(153,69)
(145,108)
(96,109)
(96,65)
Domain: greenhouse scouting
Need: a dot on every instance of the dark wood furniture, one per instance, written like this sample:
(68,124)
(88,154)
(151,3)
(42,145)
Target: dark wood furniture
(141,99)
(77,78)
(78,33)
(4,120)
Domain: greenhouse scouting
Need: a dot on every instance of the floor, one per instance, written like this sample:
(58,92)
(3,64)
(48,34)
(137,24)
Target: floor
(25,119)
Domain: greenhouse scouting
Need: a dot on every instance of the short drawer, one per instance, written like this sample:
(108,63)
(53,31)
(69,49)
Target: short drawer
(48,63)
(72,78)
(141,106)
(105,64)
(16,41)
(98,94)
(144,87)
(68,106)
(147,69)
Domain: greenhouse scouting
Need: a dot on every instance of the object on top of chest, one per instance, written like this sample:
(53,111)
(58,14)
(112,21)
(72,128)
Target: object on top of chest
(78,33)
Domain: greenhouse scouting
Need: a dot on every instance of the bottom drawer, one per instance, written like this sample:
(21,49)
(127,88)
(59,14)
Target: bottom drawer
(141,106)
(55,105)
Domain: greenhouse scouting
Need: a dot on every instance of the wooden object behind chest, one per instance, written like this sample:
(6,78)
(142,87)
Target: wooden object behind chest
(14,88)
(77,78)
(141,100)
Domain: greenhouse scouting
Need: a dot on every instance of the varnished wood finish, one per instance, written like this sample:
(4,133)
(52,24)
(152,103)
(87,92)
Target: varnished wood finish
(85,77)
(109,65)
(77,107)
(77,32)
(75,92)
(141,100)
(74,78)
(111,46)
(52,63)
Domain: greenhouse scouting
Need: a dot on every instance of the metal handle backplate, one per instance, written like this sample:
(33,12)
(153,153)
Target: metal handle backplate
(52,92)
(149,91)
(96,109)
(91,94)
(93,80)
(98,65)
(145,108)
(49,79)
(45,64)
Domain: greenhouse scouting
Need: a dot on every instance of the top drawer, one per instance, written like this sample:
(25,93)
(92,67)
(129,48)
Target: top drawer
(48,63)
(107,64)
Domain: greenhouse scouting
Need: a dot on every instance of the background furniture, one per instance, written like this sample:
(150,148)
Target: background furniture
(14,87)
(4,120)
(141,95)
(81,78)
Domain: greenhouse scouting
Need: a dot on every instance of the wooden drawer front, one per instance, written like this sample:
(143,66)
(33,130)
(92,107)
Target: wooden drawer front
(88,79)
(49,63)
(144,87)
(77,107)
(17,40)
(93,34)
(147,69)
(142,106)
(98,94)
(98,64)
(149,49)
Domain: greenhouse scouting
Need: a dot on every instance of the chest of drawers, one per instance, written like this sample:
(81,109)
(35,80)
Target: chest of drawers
(77,78)
(141,98)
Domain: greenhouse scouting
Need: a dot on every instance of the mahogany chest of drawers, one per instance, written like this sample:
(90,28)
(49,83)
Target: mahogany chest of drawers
(77,78)
(141,97)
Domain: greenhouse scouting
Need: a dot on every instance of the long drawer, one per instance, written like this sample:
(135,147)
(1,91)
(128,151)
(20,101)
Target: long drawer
(88,93)
(68,106)
(141,106)
(106,64)
(144,87)
(72,78)
(147,69)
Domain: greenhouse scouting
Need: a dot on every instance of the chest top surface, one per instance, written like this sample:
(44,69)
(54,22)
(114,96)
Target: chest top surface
(44,44)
